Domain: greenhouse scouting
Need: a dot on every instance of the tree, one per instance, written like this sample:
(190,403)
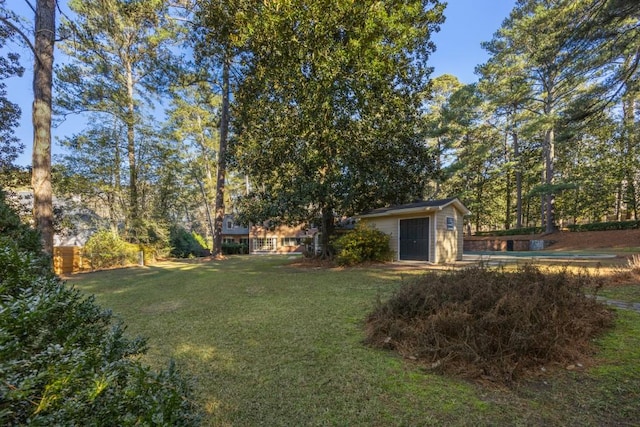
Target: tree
(93,168)
(507,91)
(45,31)
(218,41)
(539,34)
(193,125)
(328,119)
(442,88)
(120,59)
(10,147)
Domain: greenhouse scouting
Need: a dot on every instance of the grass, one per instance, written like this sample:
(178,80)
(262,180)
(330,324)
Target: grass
(272,344)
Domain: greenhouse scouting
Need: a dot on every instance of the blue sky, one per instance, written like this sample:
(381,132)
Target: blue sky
(468,23)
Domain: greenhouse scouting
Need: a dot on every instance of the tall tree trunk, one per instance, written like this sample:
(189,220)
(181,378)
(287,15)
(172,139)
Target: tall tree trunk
(131,148)
(549,199)
(116,191)
(327,231)
(208,187)
(205,198)
(222,157)
(45,27)
(629,143)
(516,155)
(508,184)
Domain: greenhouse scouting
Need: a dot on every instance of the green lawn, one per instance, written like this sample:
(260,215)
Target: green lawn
(271,344)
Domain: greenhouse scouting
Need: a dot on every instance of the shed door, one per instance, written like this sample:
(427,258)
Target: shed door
(414,239)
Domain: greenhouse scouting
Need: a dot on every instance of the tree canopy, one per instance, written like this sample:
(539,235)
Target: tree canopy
(328,120)
(329,109)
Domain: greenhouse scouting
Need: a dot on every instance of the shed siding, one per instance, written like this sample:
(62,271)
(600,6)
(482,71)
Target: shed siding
(449,242)
(445,245)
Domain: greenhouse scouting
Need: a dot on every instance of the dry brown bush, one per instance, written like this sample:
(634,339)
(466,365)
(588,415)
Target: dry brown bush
(489,324)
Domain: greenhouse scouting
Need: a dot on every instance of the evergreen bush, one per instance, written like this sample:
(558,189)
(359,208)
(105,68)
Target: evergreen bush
(185,244)
(63,359)
(105,249)
(605,226)
(232,248)
(362,244)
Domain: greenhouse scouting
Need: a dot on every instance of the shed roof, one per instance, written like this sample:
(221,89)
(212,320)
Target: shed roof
(416,207)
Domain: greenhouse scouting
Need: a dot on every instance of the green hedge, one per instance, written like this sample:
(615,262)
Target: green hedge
(235,248)
(511,232)
(604,226)
(185,244)
(106,249)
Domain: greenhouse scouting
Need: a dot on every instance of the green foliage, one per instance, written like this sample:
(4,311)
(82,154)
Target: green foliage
(332,123)
(235,248)
(511,232)
(63,359)
(10,146)
(14,230)
(492,324)
(106,249)
(363,244)
(603,226)
(185,244)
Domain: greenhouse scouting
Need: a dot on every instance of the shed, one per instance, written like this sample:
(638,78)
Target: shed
(429,231)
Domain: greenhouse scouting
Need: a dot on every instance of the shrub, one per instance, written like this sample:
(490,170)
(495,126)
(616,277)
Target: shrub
(234,248)
(511,232)
(106,249)
(492,324)
(185,244)
(362,244)
(605,226)
(63,359)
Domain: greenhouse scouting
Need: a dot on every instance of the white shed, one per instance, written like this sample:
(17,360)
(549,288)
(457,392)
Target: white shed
(429,231)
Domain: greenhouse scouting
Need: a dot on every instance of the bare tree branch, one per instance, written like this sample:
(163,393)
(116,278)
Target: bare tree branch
(22,35)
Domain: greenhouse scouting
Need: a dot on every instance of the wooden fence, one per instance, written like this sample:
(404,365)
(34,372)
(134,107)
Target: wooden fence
(68,260)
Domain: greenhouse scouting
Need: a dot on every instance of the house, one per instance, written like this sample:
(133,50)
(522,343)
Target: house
(422,231)
(261,239)
(232,232)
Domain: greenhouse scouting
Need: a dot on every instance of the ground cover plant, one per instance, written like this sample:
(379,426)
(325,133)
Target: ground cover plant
(492,324)
(63,359)
(273,344)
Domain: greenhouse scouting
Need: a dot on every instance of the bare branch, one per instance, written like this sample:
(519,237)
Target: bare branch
(22,35)
(30,5)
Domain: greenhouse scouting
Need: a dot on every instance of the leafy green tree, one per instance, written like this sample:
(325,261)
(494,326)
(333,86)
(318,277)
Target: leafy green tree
(93,169)
(506,91)
(120,59)
(219,40)
(10,146)
(193,125)
(558,71)
(328,119)
(476,175)
(441,90)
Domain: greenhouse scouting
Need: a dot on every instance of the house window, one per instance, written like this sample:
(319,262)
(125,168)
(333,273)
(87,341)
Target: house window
(291,241)
(451,225)
(228,240)
(229,224)
(264,243)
